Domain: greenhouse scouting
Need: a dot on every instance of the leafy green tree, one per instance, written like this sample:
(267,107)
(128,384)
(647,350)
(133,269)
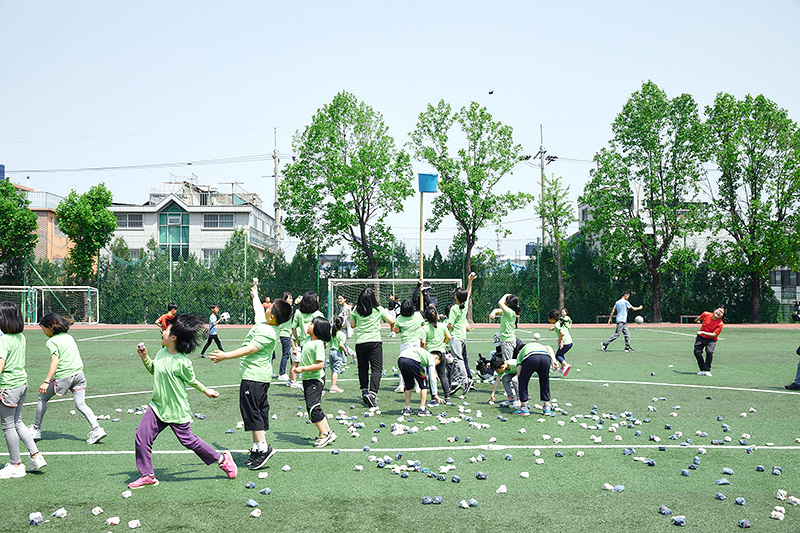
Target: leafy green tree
(468,177)
(86,220)
(643,194)
(18,236)
(347,178)
(557,214)
(756,147)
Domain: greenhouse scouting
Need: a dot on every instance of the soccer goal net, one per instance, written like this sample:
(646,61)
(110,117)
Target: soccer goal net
(441,289)
(81,304)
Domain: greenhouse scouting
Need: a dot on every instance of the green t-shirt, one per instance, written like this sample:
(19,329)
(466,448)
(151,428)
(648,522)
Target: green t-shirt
(512,368)
(458,318)
(531,347)
(417,353)
(171,374)
(299,323)
(410,327)
(69,358)
(258,365)
(563,329)
(368,328)
(286,328)
(507,322)
(340,340)
(313,352)
(434,337)
(12,351)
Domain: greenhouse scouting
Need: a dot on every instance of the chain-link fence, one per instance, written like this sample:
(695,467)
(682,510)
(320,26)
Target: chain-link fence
(137,290)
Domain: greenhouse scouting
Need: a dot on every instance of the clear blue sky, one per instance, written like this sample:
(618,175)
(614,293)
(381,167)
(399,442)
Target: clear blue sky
(99,83)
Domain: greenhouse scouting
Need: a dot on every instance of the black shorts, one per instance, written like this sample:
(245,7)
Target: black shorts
(254,405)
(412,372)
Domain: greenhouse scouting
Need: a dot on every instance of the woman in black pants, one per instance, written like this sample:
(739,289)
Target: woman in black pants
(538,358)
(366,323)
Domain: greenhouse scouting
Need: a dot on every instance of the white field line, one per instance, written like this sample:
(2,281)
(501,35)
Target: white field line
(111,335)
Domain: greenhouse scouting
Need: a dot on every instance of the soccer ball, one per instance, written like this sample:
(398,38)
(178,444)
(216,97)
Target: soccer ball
(536,336)
(639,320)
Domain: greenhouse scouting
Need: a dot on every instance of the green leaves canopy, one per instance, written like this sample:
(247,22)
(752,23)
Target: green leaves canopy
(86,220)
(468,177)
(643,194)
(18,236)
(347,178)
(756,147)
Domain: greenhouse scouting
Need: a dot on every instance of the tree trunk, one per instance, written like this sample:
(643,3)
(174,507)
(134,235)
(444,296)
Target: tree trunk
(656,302)
(467,270)
(755,298)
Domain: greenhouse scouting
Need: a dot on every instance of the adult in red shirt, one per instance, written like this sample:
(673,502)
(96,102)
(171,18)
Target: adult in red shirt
(707,338)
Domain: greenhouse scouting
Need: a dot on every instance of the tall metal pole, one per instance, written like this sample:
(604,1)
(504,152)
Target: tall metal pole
(276,206)
(541,165)
(421,273)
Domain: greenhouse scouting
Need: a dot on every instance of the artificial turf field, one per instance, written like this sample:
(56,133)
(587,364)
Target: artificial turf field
(323,492)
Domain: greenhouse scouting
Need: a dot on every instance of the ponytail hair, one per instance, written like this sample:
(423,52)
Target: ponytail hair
(338,324)
(57,323)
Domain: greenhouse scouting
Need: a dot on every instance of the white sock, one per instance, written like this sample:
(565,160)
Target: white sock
(262,446)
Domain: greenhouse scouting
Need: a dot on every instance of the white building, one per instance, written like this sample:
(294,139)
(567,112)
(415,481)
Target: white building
(188,218)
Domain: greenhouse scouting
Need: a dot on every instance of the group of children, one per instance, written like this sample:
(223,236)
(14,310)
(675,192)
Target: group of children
(423,358)
(64,374)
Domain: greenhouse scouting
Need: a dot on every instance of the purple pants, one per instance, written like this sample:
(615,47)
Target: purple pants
(149,428)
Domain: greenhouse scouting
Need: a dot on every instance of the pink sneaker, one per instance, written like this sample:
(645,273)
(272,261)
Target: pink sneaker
(566,369)
(228,465)
(144,481)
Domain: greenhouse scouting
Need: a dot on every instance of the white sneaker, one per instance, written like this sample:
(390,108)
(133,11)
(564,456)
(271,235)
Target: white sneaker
(325,439)
(96,435)
(36,433)
(283,377)
(295,384)
(36,463)
(701,373)
(399,389)
(10,471)
(392,334)
(708,373)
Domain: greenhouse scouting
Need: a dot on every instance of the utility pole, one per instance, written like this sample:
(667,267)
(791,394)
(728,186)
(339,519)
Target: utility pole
(541,165)
(276,206)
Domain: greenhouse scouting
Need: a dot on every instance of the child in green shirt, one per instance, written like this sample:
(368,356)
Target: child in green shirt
(310,369)
(13,388)
(169,407)
(64,374)
(255,372)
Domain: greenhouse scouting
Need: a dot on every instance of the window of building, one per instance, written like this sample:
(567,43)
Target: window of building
(173,232)
(210,255)
(129,220)
(218,221)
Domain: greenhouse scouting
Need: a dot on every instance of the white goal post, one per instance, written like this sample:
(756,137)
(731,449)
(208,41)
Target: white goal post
(441,289)
(81,304)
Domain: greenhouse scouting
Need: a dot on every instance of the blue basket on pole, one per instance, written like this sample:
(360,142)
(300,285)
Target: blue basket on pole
(428,182)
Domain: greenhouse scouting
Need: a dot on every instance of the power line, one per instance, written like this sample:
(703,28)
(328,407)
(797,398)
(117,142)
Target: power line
(199,162)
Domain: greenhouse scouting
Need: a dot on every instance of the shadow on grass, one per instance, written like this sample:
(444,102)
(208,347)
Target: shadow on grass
(53,435)
(281,436)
